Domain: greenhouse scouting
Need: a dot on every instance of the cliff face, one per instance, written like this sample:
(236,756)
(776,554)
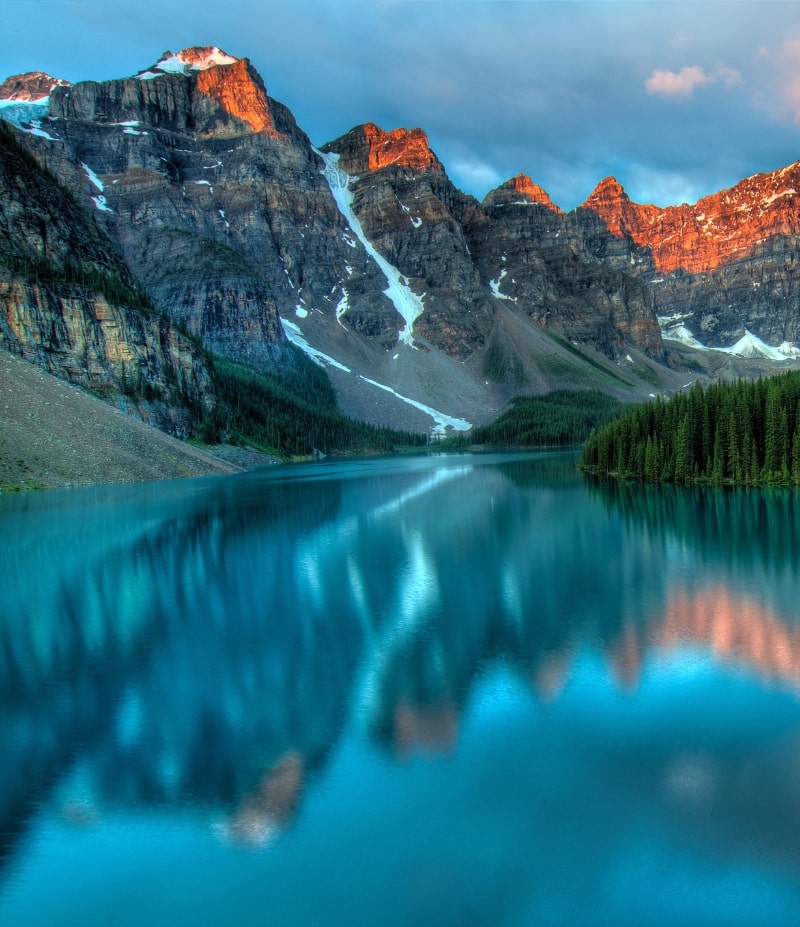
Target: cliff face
(69,303)
(213,99)
(566,272)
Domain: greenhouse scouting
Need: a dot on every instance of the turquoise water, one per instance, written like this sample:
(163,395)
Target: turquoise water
(464,690)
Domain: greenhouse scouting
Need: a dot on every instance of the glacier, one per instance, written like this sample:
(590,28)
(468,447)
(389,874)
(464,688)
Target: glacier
(749,345)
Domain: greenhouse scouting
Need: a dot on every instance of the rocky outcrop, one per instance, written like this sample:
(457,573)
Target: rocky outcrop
(718,229)
(213,99)
(369,148)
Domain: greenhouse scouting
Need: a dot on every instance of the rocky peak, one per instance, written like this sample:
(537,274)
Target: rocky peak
(519,189)
(29,87)
(196,58)
(370,148)
(200,91)
(610,201)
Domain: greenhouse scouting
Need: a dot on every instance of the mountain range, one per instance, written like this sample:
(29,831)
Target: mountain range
(152,222)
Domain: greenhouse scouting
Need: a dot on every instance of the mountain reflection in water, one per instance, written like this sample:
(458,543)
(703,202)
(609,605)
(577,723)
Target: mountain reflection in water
(216,648)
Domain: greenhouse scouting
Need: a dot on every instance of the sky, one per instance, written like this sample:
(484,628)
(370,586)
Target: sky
(676,100)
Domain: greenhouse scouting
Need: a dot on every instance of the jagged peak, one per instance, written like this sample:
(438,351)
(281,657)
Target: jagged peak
(369,147)
(520,189)
(32,86)
(609,189)
(195,58)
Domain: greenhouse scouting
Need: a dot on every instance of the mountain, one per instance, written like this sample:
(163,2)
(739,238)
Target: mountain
(720,269)
(427,308)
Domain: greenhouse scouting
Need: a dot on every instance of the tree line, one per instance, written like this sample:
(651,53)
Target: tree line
(743,433)
(555,419)
(289,411)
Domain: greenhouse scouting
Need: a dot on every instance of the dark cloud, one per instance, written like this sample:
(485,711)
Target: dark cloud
(675,99)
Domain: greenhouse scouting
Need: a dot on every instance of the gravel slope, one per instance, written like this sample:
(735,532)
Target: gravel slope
(54,434)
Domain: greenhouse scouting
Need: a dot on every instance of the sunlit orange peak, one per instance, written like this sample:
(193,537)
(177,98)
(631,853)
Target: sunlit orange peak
(523,187)
(403,147)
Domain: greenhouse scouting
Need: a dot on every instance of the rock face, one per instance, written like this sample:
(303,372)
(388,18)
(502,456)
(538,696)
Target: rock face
(716,230)
(197,92)
(566,272)
(69,303)
(519,190)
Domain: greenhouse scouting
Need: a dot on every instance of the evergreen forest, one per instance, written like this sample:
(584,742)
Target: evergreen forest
(743,433)
(289,412)
(555,419)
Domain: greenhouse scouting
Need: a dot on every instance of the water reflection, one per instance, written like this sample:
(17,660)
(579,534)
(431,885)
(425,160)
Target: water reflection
(210,647)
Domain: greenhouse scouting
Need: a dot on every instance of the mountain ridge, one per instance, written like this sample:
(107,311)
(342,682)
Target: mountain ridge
(383,270)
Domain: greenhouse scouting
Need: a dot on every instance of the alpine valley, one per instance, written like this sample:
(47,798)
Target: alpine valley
(152,223)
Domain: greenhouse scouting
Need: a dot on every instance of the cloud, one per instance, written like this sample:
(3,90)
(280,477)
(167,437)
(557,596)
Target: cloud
(682,84)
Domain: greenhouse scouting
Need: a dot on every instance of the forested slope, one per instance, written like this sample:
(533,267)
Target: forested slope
(742,433)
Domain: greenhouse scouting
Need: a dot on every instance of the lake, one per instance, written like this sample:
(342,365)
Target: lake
(446,690)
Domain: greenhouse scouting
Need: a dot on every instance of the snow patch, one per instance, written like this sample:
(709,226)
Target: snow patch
(295,335)
(405,301)
(442,421)
(342,306)
(749,345)
(95,180)
(300,312)
(36,129)
(494,285)
(682,334)
(665,321)
(184,63)
(769,200)
(101,204)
